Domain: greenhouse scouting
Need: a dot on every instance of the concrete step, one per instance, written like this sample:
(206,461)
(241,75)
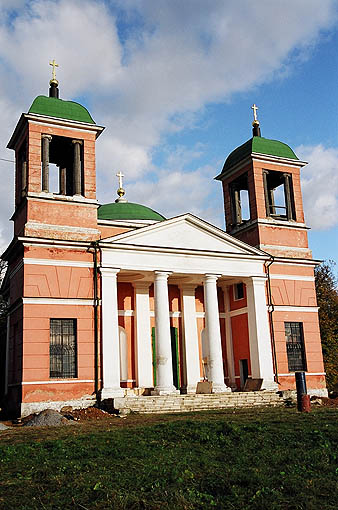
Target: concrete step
(185,403)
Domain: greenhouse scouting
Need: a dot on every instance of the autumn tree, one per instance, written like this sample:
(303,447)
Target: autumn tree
(3,305)
(3,327)
(327,297)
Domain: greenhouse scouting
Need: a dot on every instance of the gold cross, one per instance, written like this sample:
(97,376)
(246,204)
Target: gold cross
(254,108)
(54,64)
(120,175)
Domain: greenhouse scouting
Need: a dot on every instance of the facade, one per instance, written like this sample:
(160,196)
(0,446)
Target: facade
(114,300)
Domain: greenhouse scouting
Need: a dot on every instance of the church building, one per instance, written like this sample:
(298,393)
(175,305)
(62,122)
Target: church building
(107,301)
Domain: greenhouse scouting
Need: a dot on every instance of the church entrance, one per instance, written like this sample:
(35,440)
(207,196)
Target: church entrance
(174,356)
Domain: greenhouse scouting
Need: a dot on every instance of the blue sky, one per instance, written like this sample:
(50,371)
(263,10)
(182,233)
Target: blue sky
(173,82)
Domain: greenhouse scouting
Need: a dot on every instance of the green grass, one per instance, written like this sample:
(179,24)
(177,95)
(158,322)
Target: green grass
(250,459)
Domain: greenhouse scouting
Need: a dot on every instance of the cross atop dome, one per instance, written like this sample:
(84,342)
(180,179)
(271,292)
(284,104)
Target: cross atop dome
(53,90)
(256,131)
(121,191)
(54,65)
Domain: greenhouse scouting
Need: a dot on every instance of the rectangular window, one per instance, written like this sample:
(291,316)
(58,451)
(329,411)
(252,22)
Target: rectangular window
(238,291)
(295,346)
(63,348)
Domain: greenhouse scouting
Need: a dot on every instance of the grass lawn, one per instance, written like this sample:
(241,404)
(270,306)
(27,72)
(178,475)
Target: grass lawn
(249,459)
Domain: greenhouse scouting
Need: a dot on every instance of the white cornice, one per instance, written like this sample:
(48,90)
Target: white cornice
(277,160)
(183,251)
(51,243)
(281,261)
(61,228)
(47,197)
(66,124)
(124,223)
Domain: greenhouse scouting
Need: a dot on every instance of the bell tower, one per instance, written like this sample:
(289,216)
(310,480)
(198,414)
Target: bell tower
(262,196)
(55,141)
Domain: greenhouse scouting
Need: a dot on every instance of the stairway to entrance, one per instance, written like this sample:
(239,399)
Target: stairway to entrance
(189,403)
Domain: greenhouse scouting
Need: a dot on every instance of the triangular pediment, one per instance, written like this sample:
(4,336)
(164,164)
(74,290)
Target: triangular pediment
(186,232)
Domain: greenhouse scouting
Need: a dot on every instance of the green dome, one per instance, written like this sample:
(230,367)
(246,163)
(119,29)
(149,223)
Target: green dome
(259,145)
(127,211)
(53,107)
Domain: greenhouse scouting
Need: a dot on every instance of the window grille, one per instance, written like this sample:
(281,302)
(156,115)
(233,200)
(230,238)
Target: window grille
(295,346)
(63,348)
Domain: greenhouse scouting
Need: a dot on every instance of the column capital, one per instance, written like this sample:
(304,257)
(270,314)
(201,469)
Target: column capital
(162,275)
(225,285)
(141,285)
(188,287)
(77,141)
(209,277)
(255,280)
(45,136)
(109,271)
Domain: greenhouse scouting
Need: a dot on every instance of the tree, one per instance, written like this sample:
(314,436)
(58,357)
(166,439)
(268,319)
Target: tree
(3,304)
(3,328)
(327,297)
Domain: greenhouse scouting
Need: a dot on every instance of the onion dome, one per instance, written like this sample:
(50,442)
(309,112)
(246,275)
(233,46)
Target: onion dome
(127,211)
(54,107)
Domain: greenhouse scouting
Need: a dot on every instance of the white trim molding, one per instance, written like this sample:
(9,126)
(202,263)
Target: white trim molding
(292,277)
(292,374)
(295,308)
(126,313)
(57,381)
(57,262)
(57,301)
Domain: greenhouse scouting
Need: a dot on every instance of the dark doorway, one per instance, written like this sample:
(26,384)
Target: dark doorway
(243,371)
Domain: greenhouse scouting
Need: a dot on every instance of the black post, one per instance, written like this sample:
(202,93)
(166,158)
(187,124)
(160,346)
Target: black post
(301,388)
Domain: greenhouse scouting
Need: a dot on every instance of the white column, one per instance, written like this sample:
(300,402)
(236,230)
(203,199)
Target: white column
(110,336)
(228,338)
(213,331)
(190,337)
(259,333)
(164,369)
(144,356)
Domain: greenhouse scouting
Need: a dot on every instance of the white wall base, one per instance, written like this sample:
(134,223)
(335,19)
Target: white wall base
(165,391)
(313,392)
(111,393)
(28,408)
(191,389)
(220,388)
(269,385)
(318,392)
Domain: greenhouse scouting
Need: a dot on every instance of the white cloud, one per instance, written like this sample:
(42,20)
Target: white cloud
(320,186)
(151,74)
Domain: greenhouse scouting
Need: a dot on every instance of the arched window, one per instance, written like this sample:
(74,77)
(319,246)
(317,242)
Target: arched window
(123,354)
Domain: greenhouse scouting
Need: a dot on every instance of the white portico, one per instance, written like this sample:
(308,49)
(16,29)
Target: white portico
(188,253)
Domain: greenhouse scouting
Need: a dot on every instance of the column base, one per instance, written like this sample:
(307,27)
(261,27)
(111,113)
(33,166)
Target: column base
(191,389)
(220,388)
(269,385)
(111,393)
(165,391)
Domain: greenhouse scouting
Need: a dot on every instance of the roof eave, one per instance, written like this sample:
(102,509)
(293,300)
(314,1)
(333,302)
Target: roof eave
(46,119)
(261,157)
